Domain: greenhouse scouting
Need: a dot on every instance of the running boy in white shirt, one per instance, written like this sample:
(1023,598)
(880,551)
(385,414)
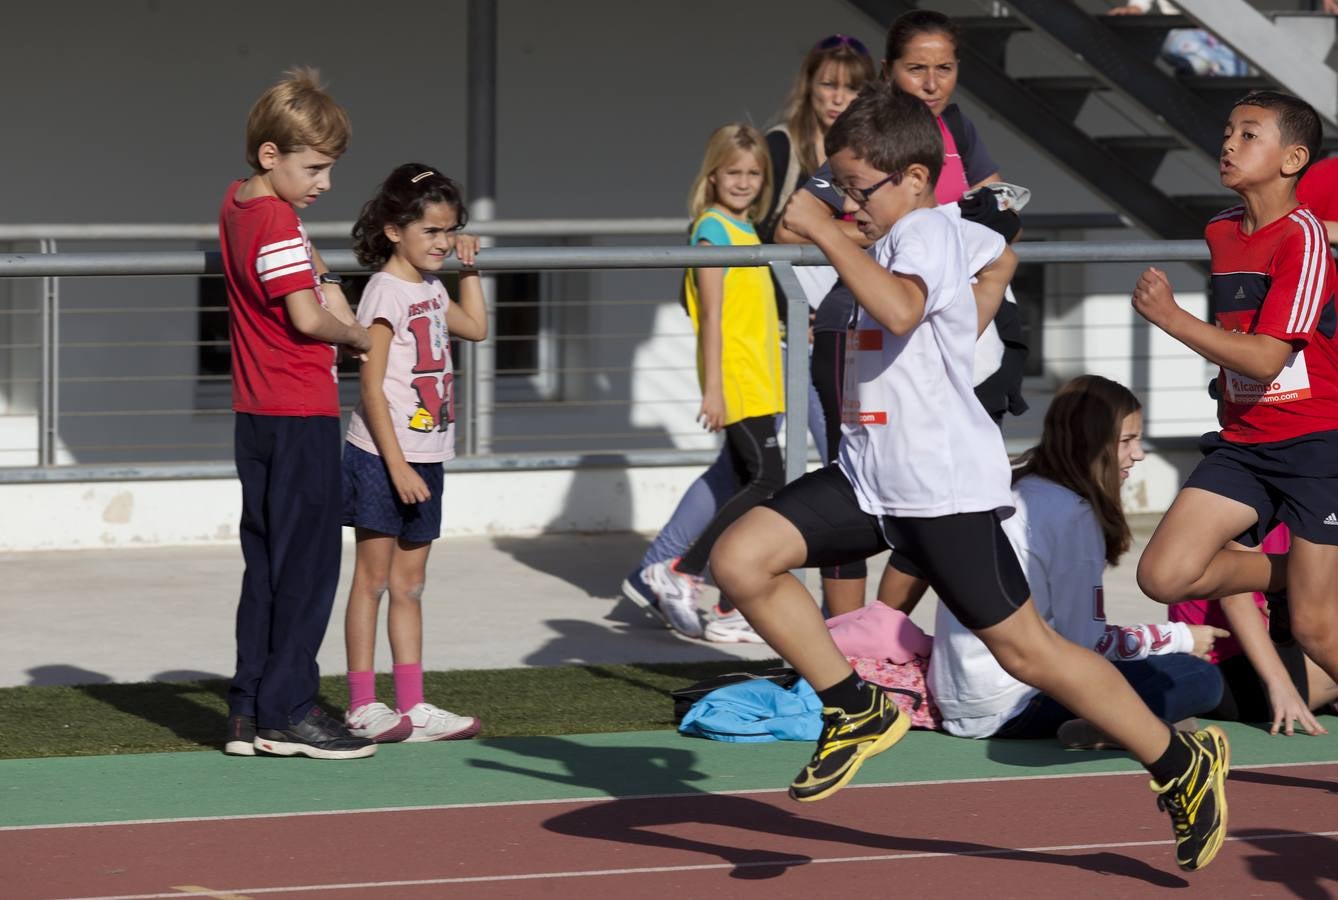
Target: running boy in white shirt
(923,470)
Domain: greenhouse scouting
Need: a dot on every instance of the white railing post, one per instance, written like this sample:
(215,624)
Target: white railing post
(48,410)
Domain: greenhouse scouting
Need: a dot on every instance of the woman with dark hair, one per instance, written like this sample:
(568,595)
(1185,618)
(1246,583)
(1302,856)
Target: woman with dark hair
(1068,526)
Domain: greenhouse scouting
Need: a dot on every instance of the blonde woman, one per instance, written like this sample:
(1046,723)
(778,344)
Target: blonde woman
(832,73)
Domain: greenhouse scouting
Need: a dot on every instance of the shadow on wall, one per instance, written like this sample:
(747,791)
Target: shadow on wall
(598,501)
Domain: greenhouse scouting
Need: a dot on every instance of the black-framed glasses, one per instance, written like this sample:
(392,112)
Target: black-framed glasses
(842,40)
(861,195)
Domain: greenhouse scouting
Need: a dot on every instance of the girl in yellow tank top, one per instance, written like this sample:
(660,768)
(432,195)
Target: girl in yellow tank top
(749,378)
(739,365)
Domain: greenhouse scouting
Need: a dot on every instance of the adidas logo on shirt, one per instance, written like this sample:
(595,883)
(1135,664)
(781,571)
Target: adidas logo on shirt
(1331,519)
(1240,293)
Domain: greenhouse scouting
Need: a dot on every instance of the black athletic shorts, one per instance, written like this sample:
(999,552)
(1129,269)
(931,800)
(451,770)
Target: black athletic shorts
(966,557)
(1293,481)
(1244,696)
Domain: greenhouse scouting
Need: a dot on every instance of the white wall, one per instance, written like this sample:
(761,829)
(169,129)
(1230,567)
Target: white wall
(108,514)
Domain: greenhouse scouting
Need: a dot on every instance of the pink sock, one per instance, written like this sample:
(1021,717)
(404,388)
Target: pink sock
(361,689)
(408,685)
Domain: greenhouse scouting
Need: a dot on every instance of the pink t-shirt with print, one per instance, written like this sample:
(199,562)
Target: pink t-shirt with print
(419,379)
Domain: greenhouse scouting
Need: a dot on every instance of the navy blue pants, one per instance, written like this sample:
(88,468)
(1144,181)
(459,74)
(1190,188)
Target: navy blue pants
(290,535)
(1174,686)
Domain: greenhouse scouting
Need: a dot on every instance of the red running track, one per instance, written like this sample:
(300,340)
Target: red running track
(1035,837)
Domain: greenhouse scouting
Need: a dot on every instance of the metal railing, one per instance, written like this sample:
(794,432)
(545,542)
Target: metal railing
(208,231)
(544,446)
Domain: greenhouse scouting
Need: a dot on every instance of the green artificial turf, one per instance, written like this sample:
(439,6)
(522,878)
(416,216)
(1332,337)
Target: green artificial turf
(153,717)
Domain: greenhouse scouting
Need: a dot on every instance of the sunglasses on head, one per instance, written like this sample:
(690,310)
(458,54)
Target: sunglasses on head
(842,40)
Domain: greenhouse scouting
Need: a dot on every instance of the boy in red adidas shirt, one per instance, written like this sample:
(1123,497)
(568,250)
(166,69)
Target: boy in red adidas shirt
(1276,457)
(285,314)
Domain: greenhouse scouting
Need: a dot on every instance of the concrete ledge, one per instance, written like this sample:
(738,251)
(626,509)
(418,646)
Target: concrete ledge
(71,514)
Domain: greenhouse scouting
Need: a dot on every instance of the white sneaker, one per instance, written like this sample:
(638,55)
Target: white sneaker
(430,723)
(730,628)
(669,593)
(379,723)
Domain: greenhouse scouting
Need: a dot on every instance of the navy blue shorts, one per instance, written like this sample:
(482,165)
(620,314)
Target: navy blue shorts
(371,502)
(1293,481)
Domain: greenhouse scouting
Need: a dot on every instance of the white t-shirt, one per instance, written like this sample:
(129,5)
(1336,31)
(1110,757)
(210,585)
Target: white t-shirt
(419,382)
(1063,553)
(915,440)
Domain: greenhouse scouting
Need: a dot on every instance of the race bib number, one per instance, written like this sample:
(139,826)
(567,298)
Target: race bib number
(1291,384)
(859,341)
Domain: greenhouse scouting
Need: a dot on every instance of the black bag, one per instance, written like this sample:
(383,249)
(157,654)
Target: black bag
(684,698)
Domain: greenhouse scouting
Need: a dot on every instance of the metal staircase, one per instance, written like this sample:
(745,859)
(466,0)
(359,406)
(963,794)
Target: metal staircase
(1117,57)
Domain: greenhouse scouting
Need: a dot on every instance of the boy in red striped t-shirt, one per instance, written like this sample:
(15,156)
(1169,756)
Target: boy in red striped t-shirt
(285,313)
(1276,457)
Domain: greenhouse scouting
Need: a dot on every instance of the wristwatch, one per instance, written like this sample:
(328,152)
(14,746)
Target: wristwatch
(330,278)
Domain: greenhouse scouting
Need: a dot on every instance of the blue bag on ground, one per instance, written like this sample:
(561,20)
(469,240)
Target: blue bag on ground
(756,711)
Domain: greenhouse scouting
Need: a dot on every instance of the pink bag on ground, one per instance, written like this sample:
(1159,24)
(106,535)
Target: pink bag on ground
(878,631)
(887,649)
(908,676)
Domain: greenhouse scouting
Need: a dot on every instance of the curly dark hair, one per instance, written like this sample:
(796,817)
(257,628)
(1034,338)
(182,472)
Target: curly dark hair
(400,200)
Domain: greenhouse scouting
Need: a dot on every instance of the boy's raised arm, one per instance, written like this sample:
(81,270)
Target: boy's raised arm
(1257,356)
(897,302)
(802,198)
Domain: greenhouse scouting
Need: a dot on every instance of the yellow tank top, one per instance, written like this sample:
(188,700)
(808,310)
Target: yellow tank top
(750,360)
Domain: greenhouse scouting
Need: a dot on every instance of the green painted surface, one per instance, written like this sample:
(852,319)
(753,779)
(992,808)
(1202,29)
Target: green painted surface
(188,785)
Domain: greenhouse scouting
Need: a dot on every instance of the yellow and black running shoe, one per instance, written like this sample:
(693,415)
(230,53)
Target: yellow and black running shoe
(1196,800)
(847,740)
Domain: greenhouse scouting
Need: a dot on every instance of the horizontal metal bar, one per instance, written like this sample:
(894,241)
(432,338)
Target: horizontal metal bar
(209,262)
(508,228)
(204,231)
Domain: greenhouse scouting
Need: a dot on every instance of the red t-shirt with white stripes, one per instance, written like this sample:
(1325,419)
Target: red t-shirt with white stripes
(276,370)
(1277,281)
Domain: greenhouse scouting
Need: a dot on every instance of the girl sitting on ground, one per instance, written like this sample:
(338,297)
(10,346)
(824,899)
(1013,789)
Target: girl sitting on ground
(1069,525)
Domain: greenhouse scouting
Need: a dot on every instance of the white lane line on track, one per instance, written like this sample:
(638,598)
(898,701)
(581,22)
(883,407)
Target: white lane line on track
(706,867)
(246,817)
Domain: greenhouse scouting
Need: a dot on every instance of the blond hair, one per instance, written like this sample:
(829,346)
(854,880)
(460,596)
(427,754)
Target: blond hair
(725,142)
(294,113)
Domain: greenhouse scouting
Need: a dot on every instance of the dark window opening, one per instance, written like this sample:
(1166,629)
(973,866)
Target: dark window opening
(518,323)
(1029,289)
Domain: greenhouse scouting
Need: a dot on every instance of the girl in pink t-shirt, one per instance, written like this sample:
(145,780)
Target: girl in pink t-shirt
(1263,681)
(401,432)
